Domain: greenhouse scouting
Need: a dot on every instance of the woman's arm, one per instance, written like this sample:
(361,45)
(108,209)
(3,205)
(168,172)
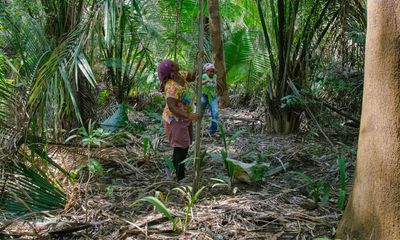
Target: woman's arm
(173,107)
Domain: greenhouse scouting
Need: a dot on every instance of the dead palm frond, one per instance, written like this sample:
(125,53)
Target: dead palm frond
(38,98)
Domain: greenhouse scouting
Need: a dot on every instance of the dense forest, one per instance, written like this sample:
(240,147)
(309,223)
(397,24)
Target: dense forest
(94,143)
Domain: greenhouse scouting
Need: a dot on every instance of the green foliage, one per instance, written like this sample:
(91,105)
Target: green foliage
(135,128)
(153,115)
(237,50)
(318,190)
(244,171)
(342,88)
(27,189)
(187,194)
(95,167)
(228,140)
(102,97)
(357,37)
(109,191)
(258,171)
(222,183)
(169,163)
(42,154)
(41,82)
(289,35)
(146,148)
(178,29)
(229,169)
(92,166)
(291,101)
(121,44)
(224,152)
(160,207)
(91,136)
(191,198)
(46,75)
(163,198)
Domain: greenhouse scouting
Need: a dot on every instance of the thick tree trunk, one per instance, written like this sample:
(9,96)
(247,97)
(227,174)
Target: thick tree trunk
(218,51)
(373,211)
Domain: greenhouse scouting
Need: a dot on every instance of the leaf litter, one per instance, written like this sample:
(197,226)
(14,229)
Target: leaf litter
(278,207)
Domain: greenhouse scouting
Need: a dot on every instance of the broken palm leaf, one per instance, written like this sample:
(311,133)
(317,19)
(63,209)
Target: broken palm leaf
(246,172)
(26,190)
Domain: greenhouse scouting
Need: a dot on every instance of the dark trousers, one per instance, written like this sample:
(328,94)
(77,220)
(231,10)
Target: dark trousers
(178,156)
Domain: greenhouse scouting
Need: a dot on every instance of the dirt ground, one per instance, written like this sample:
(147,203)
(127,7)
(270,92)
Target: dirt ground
(278,207)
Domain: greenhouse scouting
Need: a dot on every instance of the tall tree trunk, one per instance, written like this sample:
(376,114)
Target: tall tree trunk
(218,51)
(373,211)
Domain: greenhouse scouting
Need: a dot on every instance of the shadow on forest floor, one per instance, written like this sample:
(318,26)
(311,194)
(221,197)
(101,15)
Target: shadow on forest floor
(278,207)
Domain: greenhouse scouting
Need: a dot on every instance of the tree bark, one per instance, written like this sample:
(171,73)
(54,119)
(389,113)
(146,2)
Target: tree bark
(218,51)
(373,211)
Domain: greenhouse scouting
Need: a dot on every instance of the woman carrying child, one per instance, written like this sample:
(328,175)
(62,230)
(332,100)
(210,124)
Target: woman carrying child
(177,115)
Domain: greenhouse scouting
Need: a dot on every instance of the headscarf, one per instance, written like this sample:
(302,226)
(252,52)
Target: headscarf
(208,66)
(164,72)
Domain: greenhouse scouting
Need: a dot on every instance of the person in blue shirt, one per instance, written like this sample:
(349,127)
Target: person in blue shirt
(209,96)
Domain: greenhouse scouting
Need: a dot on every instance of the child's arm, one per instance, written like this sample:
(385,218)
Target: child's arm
(205,79)
(214,80)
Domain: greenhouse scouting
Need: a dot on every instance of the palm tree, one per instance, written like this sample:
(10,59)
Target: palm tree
(37,99)
(62,18)
(294,31)
(122,43)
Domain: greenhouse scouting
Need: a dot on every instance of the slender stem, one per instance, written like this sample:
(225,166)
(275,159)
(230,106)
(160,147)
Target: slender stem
(190,205)
(177,25)
(266,36)
(197,161)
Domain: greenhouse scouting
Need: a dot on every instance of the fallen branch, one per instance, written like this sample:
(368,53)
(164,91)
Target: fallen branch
(149,231)
(242,119)
(10,222)
(294,89)
(71,229)
(327,105)
(340,112)
(277,170)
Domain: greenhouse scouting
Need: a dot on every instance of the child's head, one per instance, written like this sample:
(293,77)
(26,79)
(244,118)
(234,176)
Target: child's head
(209,68)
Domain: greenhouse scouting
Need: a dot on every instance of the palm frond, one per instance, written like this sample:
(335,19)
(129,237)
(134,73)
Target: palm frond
(46,74)
(24,189)
(122,43)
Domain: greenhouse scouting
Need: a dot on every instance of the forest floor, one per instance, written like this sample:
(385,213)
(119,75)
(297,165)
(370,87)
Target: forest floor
(278,207)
